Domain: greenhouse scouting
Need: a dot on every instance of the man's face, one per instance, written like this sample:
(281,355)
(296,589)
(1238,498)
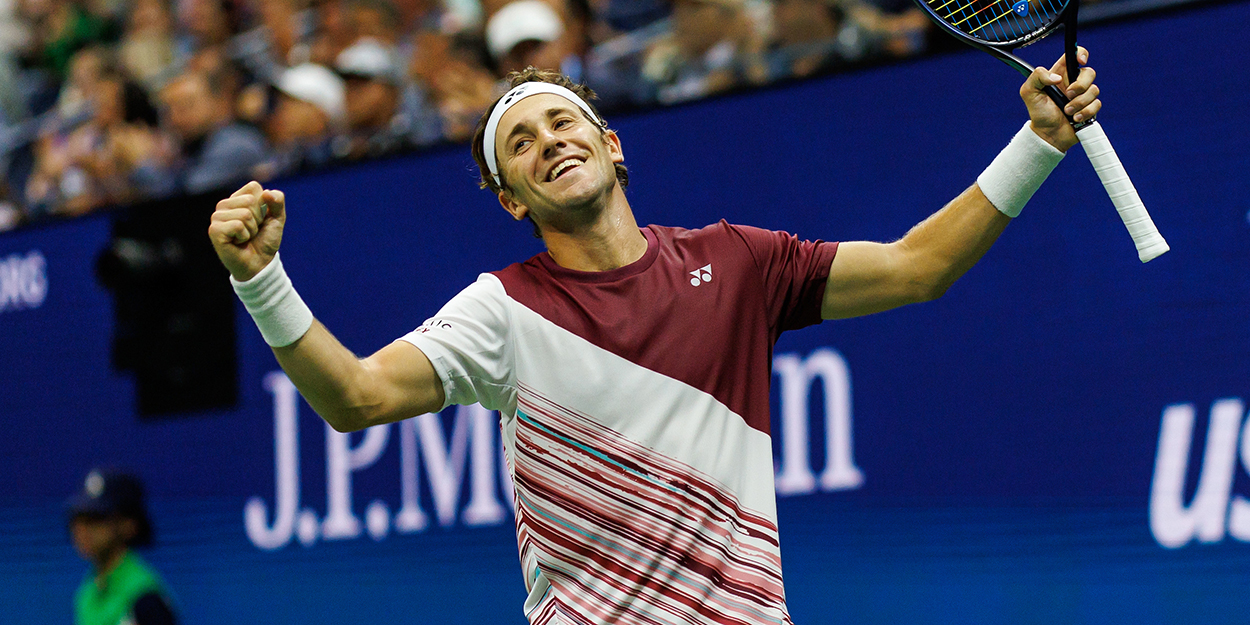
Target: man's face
(295,122)
(85,69)
(557,164)
(370,103)
(206,19)
(191,110)
(97,538)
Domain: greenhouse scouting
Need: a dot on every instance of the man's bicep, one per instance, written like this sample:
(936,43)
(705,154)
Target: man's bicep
(866,278)
(407,381)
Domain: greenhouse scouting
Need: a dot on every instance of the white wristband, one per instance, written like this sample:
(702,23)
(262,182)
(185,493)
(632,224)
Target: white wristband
(1018,171)
(277,309)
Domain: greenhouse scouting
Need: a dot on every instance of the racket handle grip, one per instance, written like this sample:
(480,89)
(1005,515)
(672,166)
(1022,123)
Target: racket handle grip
(1146,237)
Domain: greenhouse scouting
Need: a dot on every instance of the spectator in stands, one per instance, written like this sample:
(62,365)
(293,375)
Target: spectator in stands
(461,16)
(460,86)
(623,31)
(615,17)
(532,33)
(63,27)
(380,119)
(898,27)
(85,70)
(117,156)
(439,15)
(132,163)
(333,32)
(645,51)
(375,19)
(147,49)
(108,519)
(14,38)
(310,108)
(282,39)
(288,28)
(204,24)
(813,36)
(11,213)
(713,47)
(217,151)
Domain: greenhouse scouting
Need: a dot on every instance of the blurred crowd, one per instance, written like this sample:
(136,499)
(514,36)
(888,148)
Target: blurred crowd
(106,102)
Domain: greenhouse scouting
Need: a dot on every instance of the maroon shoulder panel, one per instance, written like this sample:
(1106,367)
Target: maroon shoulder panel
(701,306)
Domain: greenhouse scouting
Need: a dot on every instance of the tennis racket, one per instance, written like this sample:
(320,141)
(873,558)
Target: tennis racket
(997,27)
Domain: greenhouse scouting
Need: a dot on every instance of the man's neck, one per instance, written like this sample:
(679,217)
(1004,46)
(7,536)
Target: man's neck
(611,242)
(107,565)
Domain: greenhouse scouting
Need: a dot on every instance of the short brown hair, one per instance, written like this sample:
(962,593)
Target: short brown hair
(532,74)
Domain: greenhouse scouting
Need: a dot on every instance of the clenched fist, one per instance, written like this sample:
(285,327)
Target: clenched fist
(246,229)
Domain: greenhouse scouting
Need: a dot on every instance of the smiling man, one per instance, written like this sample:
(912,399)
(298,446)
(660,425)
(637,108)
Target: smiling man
(630,366)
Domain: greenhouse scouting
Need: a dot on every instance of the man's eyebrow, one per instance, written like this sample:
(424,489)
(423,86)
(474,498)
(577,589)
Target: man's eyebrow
(524,126)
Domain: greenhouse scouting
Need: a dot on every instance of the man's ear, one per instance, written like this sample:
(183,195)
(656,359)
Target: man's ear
(514,208)
(614,146)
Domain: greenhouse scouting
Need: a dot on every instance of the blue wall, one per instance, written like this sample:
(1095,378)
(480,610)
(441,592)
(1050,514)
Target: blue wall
(1007,433)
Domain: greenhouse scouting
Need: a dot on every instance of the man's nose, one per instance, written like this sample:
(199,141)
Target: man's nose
(549,141)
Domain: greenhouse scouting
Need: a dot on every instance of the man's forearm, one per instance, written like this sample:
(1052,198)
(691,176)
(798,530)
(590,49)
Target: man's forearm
(951,241)
(948,243)
(349,393)
(330,377)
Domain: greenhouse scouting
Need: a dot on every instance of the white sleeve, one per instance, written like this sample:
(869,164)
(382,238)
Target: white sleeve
(467,342)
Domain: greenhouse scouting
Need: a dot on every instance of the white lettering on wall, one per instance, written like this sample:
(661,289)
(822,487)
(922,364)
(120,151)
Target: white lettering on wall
(795,476)
(1172,522)
(1239,512)
(473,445)
(341,461)
(484,507)
(286,470)
(23,281)
(469,449)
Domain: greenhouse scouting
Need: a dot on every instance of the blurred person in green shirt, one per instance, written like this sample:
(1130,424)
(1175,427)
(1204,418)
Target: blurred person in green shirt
(107,520)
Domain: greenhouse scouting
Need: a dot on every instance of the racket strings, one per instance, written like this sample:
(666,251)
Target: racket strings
(997,21)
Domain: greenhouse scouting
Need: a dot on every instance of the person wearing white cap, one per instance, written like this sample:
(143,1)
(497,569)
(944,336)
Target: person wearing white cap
(531,33)
(630,366)
(310,109)
(385,112)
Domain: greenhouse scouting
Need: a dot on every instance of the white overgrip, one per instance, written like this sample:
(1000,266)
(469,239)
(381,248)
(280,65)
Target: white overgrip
(1146,237)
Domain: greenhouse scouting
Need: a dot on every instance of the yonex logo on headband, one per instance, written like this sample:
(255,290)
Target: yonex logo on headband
(518,93)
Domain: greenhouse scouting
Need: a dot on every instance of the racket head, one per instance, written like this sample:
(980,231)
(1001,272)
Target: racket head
(997,24)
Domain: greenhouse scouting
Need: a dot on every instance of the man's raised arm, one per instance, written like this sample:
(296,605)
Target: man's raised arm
(350,393)
(871,277)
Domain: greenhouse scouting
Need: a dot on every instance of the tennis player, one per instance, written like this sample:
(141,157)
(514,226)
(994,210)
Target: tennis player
(630,365)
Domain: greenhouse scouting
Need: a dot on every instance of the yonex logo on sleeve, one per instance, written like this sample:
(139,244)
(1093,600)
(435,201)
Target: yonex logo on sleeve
(701,275)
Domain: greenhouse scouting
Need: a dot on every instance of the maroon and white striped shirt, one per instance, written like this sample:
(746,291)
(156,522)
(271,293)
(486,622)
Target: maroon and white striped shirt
(635,419)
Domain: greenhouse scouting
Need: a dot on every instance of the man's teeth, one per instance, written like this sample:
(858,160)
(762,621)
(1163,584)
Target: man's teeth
(572,162)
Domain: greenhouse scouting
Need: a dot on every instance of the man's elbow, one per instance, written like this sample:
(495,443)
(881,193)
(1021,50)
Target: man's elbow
(344,421)
(931,289)
(354,418)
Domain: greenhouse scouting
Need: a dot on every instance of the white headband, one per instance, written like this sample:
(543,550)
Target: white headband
(518,93)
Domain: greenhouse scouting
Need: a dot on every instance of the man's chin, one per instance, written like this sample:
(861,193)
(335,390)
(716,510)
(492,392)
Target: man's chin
(568,214)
